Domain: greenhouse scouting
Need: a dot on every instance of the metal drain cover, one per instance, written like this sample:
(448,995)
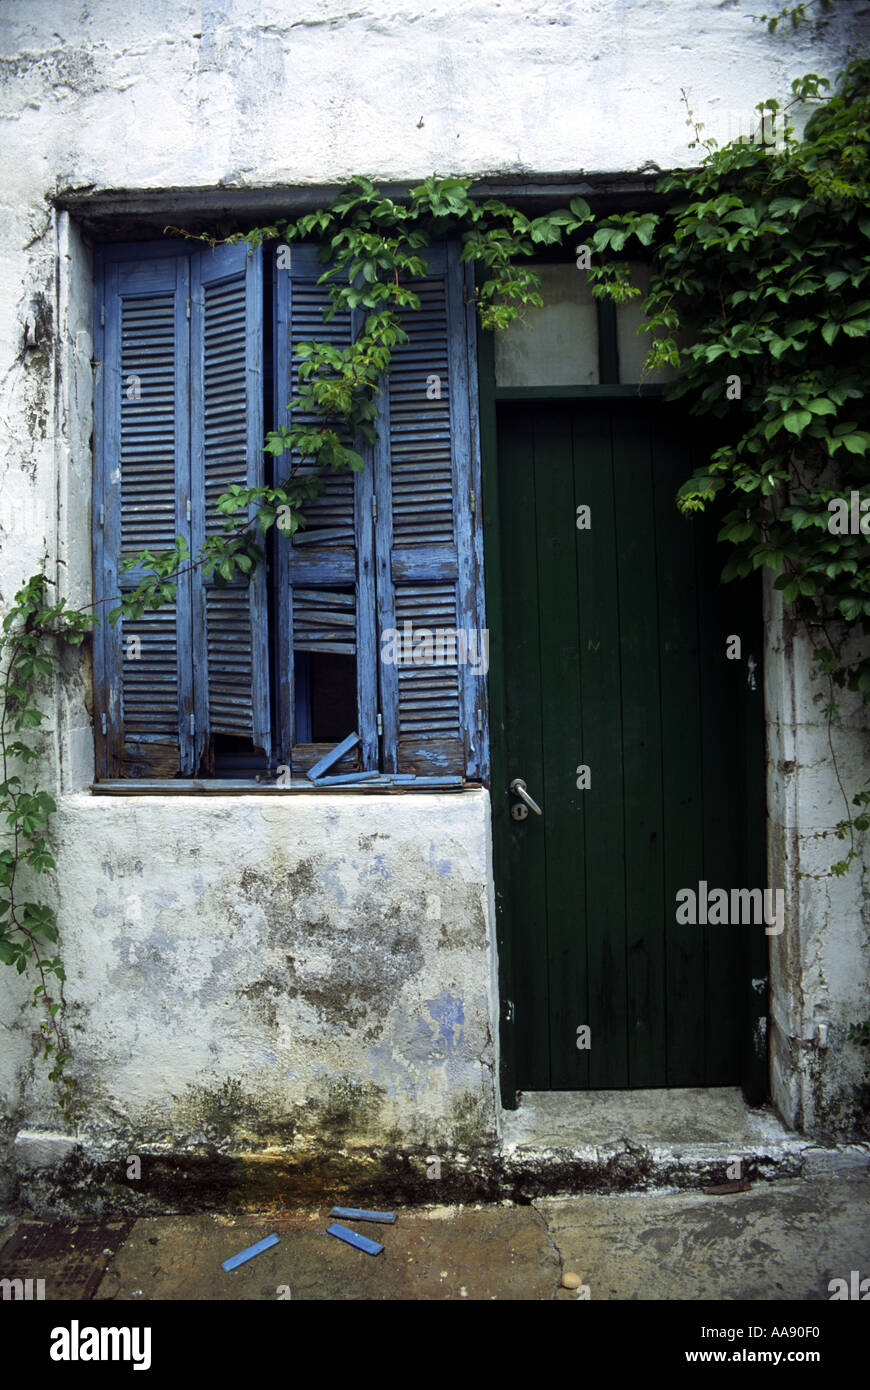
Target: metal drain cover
(70,1258)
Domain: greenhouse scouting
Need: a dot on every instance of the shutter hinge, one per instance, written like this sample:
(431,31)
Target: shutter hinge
(103,723)
(380,723)
(507,1010)
(102,516)
(192,725)
(188,308)
(188,509)
(102,315)
(473,503)
(374,508)
(479,719)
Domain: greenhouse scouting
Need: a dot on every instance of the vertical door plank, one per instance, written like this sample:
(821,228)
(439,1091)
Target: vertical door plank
(527,849)
(642,753)
(724,814)
(601,749)
(754,962)
(686,1002)
(561,715)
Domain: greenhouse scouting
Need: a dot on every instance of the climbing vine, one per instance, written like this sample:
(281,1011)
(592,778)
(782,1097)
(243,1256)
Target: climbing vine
(761,255)
(373,243)
(28,930)
(763,260)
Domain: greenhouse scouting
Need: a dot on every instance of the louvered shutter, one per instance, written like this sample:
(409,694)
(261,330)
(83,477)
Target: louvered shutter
(230,640)
(429,561)
(326,600)
(142,479)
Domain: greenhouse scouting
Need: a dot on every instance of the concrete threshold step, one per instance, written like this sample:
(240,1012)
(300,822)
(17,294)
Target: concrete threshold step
(573,1141)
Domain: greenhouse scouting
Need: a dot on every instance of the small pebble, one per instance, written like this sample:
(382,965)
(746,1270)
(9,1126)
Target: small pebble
(571,1281)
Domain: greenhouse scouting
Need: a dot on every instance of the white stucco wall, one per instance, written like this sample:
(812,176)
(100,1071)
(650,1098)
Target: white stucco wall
(172,960)
(241,92)
(819,965)
(305,947)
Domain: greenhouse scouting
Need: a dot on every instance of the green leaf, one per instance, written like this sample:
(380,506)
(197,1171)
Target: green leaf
(580,209)
(835,278)
(739,532)
(857,442)
(850,608)
(796,421)
(644,228)
(543,230)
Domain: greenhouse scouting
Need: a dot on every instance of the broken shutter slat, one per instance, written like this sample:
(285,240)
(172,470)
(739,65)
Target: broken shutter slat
(359,1214)
(324,596)
(332,756)
(320,535)
(370,1247)
(341,779)
(244,1255)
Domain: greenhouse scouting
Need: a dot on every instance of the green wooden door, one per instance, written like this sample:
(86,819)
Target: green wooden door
(615,641)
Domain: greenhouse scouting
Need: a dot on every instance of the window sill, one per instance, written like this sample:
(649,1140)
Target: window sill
(178,786)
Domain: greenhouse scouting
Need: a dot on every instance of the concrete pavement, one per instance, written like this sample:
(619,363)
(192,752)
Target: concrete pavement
(776,1240)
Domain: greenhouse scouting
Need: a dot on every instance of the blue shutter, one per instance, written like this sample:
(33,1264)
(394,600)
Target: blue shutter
(230,638)
(429,546)
(326,601)
(142,484)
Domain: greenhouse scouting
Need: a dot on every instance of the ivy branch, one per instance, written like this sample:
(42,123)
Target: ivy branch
(763,258)
(28,929)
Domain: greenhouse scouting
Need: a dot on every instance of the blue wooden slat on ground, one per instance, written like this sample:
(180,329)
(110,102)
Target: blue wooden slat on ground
(357,1214)
(370,1247)
(265,1244)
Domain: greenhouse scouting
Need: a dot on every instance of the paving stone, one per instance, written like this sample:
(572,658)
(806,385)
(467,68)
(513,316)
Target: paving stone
(777,1241)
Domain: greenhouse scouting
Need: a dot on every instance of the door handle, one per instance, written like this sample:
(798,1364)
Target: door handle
(518,787)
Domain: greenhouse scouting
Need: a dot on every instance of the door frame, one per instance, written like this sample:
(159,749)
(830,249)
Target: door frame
(754,1056)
